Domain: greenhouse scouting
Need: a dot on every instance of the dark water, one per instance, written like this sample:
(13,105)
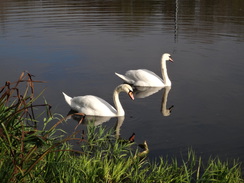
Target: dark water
(76,46)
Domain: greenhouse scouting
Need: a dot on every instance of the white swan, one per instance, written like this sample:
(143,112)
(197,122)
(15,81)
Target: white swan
(95,106)
(144,77)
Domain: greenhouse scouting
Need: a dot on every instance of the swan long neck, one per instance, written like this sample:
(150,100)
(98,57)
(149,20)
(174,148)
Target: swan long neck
(117,104)
(165,76)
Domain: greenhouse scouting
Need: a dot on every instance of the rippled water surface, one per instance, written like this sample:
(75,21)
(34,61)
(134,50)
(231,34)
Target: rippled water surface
(76,46)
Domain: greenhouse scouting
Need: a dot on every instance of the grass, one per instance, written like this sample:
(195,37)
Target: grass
(28,154)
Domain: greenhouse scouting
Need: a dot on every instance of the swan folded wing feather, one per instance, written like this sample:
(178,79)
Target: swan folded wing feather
(144,77)
(92,105)
(125,78)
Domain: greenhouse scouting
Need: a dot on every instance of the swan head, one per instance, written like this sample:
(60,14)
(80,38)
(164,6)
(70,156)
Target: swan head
(126,88)
(167,57)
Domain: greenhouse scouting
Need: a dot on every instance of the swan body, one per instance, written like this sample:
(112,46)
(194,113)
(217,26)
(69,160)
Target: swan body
(144,77)
(96,106)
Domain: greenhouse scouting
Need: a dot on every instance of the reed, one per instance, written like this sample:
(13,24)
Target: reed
(22,145)
(29,154)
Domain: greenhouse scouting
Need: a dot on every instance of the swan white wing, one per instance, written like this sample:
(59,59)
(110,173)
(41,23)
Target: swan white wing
(92,105)
(125,78)
(144,77)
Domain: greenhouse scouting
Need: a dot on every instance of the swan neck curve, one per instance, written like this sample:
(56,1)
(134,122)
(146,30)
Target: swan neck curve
(117,104)
(165,76)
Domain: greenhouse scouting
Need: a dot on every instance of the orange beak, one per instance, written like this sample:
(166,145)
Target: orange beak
(131,95)
(170,59)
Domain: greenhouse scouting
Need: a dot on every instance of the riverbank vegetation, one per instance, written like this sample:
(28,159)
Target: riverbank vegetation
(31,154)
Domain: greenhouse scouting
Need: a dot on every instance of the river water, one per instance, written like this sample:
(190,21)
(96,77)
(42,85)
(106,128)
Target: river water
(76,46)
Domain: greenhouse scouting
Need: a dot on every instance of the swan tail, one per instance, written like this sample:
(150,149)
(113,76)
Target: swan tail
(124,78)
(67,98)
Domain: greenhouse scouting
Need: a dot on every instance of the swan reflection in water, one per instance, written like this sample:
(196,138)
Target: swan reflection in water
(166,111)
(143,92)
(96,120)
